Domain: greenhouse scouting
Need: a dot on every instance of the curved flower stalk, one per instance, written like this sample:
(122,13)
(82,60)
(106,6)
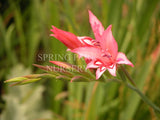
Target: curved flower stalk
(101,53)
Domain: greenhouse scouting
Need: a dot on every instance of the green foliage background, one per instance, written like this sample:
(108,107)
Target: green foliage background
(24,34)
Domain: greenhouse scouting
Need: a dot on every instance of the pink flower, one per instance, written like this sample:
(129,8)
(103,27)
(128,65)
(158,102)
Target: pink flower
(70,40)
(105,56)
(101,53)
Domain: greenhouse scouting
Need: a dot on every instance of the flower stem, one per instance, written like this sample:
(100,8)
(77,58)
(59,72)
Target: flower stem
(134,87)
(128,75)
(144,98)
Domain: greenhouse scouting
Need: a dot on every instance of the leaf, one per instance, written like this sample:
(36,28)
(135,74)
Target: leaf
(25,79)
(67,65)
(79,79)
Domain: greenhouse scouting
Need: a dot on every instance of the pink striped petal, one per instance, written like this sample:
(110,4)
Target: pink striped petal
(88,52)
(67,38)
(86,41)
(91,65)
(112,70)
(99,63)
(122,59)
(96,25)
(100,71)
(108,42)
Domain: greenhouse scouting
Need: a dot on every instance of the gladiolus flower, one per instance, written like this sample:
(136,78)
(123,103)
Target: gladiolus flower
(101,53)
(70,40)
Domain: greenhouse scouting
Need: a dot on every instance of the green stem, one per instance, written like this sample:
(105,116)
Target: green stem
(128,75)
(133,87)
(144,98)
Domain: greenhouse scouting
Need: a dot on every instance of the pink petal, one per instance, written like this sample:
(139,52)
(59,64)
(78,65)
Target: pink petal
(86,41)
(67,38)
(91,65)
(99,63)
(68,49)
(87,60)
(122,59)
(88,52)
(112,70)
(108,42)
(96,25)
(100,71)
(62,64)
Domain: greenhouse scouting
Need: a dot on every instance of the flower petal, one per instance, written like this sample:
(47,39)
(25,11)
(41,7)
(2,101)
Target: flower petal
(100,71)
(91,65)
(112,70)
(86,41)
(96,25)
(62,64)
(108,43)
(122,59)
(88,52)
(87,60)
(99,63)
(67,38)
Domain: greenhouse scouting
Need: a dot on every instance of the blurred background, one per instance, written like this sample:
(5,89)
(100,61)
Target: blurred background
(24,34)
